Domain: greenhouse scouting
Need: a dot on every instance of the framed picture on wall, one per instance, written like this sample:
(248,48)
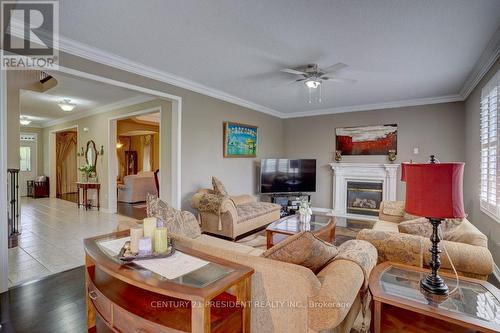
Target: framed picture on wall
(240,140)
(367,140)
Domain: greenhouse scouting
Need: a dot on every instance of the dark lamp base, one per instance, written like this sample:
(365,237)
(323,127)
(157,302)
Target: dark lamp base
(434,285)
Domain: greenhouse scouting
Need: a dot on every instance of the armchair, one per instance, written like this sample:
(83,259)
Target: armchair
(232,216)
(467,246)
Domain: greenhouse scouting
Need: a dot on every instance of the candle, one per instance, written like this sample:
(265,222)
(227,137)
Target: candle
(161,241)
(145,246)
(135,234)
(149,225)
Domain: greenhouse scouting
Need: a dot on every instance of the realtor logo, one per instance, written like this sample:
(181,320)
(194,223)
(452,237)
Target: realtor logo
(30,35)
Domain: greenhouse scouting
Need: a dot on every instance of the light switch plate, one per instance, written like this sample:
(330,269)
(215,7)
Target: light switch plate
(416,150)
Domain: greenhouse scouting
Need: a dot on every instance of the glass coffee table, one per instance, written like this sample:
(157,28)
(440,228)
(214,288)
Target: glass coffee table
(398,301)
(322,226)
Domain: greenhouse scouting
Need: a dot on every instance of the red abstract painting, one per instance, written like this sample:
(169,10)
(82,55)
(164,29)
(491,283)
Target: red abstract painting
(367,140)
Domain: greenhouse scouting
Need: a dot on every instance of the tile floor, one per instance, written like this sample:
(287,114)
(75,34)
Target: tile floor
(52,237)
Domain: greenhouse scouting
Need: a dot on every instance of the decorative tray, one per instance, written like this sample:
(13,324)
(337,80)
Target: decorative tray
(128,257)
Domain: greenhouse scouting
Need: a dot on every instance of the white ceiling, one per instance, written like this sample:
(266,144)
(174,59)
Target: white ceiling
(42,108)
(397,49)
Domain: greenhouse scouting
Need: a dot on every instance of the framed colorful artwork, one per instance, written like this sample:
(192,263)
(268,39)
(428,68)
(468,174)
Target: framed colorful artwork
(367,140)
(240,140)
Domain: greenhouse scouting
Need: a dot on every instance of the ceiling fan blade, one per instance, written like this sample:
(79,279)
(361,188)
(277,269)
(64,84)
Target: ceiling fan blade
(338,79)
(292,71)
(295,81)
(334,68)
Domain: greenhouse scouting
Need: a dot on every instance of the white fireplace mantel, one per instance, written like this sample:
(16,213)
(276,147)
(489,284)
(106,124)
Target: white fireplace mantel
(371,172)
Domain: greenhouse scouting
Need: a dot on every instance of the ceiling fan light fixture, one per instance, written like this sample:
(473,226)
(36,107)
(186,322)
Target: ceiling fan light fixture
(24,121)
(312,84)
(66,105)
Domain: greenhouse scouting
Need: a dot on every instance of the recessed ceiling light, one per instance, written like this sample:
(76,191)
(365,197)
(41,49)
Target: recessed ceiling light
(66,105)
(23,120)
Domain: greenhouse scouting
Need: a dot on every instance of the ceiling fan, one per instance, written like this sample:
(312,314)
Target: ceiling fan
(313,76)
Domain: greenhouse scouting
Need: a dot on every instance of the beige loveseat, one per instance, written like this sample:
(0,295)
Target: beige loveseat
(232,216)
(135,188)
(288,297)
(467,246)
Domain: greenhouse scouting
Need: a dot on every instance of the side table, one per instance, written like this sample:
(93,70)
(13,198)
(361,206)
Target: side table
(85,187)
(400,306)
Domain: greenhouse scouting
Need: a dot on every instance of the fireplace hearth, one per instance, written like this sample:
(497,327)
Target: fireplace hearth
(364,198)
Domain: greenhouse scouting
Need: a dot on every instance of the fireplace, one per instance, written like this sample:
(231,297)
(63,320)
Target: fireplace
(364,197)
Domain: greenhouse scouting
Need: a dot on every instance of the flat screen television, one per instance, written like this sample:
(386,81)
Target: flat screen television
(287,176)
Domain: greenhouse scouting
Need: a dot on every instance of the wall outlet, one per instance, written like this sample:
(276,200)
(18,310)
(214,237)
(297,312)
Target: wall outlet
(416,150)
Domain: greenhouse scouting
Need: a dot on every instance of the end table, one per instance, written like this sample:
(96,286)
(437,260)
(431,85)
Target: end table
(400,306)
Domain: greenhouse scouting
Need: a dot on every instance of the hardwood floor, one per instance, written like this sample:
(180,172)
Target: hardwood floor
(51,305)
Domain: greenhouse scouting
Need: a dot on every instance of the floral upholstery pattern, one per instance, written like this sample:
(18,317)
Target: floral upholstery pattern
(303,249)
(219,187)
(251,210)
(211,203)
(178,222)
(395,247)
(422,227)
(394,208)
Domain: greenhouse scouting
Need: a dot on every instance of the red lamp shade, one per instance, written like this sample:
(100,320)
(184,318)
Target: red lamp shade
(434,190)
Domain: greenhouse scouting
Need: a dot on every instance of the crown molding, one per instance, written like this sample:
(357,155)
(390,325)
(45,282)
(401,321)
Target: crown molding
(87,52)
(377,106)
(102,109)
(483,65)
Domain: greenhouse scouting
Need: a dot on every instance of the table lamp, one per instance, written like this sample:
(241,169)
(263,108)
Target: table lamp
(435,191)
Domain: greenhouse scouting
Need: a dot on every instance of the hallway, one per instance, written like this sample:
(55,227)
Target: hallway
(52,237)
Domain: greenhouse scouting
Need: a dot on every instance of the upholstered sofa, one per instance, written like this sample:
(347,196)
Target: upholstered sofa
(232,216)
(136,187)
(288,297)
(466,245)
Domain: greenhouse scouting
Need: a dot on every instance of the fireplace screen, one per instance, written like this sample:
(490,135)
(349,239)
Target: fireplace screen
(364,198)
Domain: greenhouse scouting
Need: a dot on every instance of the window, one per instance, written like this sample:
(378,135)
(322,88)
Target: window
(25,164)
(490,167)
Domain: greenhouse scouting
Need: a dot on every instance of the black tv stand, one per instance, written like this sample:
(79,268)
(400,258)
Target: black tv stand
(289,202)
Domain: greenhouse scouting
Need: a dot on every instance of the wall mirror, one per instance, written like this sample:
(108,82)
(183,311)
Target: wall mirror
(91,154)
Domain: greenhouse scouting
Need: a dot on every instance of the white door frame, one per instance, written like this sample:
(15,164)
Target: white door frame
(176,127)
(53,157)
(4,258)
(113,159)
(34,157)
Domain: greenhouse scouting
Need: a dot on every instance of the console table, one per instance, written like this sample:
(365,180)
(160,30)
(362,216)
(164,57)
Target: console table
(128,298)
(85,187)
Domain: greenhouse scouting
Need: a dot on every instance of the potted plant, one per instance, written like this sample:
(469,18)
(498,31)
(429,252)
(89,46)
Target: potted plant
(86,170)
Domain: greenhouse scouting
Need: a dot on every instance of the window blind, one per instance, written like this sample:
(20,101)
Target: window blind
(489,136)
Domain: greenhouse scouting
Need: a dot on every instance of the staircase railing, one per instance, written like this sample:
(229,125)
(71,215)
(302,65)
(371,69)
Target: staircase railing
(13,213)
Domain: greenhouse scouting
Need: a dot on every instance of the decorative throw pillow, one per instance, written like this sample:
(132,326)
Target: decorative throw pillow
(394,208)
(303,249)
(219,187)
(178,222)
(422,227)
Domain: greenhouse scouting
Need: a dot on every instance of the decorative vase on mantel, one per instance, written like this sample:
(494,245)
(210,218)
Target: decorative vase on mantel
(338,155)
(391,155)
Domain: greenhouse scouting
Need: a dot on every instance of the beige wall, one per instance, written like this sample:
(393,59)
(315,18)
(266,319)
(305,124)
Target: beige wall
(202,118)
(472,155)
(436,129)
(98,131)
(39,147)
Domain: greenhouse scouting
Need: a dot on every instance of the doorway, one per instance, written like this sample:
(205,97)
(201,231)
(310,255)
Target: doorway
(28,161)
(66,165)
